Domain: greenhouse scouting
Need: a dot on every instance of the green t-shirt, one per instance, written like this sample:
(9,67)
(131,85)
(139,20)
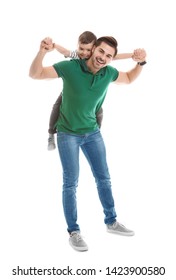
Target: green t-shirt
(82,96)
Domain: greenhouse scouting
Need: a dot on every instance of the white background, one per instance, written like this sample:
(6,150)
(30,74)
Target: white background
(138,128)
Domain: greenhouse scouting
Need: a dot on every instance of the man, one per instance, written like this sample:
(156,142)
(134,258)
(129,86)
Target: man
(85,84)
(86,42)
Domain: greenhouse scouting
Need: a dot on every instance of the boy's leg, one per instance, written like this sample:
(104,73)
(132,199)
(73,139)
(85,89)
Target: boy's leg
(99,117)
(52,121)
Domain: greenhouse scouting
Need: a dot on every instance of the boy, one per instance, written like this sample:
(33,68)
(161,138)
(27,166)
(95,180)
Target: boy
(86,42)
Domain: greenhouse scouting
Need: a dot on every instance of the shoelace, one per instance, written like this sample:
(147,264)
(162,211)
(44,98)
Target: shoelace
(77,235)
(50,139)
(116,224)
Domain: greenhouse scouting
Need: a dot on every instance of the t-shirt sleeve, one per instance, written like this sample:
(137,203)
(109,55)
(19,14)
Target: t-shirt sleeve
(74,54)
(60,68)
(65,68)
(113,72)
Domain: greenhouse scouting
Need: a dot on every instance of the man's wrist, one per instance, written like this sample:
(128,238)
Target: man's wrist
(142,63)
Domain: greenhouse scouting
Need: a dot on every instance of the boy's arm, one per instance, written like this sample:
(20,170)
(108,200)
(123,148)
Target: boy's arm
(62,50)
(123,56)
(135,56)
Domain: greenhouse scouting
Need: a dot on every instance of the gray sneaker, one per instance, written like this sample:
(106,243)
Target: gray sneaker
(51,142)
(119,229)
(77,242)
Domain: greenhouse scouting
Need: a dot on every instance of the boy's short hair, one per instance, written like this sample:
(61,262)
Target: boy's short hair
(111,41)
(87,37)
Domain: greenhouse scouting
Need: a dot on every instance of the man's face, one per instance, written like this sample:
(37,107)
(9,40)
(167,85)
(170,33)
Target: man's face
(84,50)
(102,55)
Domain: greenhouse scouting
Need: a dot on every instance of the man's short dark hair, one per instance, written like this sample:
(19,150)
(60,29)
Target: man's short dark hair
(111,41)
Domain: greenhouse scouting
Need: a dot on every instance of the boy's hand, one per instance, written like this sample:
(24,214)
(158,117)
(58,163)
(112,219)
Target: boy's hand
(47,45)
(139,55)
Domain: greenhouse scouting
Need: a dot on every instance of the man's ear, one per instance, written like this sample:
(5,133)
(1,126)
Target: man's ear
(93,48)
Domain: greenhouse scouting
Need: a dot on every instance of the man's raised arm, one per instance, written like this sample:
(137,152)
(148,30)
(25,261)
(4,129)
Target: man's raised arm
(37,71)
(131,75)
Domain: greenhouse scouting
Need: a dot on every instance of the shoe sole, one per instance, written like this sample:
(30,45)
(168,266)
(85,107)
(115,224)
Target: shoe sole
(51,149)
(80,249)
(121,233)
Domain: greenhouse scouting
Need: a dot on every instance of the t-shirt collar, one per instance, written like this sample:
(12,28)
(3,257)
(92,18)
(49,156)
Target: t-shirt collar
(85,68)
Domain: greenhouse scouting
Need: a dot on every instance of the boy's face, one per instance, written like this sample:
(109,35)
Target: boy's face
(84,50)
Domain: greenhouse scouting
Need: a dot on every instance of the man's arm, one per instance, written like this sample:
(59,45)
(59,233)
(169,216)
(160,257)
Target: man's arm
(131,75)
(37,71)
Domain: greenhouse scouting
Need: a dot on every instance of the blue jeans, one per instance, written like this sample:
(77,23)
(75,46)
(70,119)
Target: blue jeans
(93,147)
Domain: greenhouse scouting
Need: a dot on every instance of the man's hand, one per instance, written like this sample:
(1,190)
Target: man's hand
(47,45)
(139,55)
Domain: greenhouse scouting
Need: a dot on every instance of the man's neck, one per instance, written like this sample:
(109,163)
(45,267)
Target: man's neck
(90,66)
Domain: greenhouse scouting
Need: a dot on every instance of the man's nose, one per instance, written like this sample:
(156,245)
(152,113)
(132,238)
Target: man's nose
(102,56)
